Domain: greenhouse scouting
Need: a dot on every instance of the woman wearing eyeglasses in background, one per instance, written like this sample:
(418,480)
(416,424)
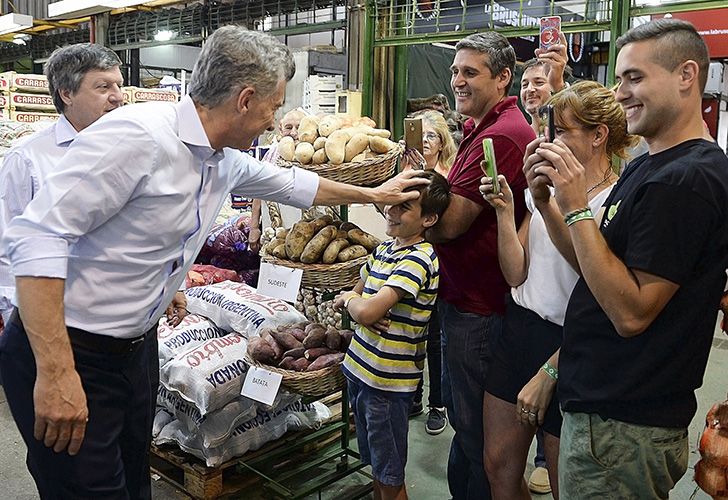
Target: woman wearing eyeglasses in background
(438,155)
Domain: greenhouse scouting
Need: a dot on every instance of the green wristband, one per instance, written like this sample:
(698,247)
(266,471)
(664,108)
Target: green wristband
(553,372)
(584,214)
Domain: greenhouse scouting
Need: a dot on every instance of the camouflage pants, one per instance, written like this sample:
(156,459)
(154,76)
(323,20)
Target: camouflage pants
(616,460)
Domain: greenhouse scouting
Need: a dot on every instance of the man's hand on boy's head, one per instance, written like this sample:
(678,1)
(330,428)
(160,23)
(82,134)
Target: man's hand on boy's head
(400,188)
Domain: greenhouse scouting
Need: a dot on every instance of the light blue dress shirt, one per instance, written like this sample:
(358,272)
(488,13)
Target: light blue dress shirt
(25,168)
(128,210)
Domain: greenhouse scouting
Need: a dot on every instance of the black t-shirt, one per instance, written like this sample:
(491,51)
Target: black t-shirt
(667,216)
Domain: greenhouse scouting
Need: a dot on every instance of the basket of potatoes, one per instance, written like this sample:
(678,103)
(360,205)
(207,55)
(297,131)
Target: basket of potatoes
(330,252)
(342,149)
(308,355)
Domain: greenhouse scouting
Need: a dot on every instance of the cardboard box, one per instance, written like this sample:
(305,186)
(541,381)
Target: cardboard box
(33,102)
(31,116)
(10,81)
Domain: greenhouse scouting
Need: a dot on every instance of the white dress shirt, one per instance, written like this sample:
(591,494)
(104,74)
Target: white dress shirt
(128,210)
(25,168)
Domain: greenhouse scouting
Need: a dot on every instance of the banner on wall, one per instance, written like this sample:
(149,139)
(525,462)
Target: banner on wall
(712,24)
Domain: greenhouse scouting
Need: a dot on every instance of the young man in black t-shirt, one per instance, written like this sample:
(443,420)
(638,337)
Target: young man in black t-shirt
(640,321)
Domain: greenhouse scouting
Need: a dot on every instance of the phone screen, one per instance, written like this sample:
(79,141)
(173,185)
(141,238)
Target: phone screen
(490,169)
(413,134)
(550,30)
(547,121)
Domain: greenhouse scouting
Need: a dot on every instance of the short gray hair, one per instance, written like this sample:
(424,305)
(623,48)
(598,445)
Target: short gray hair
(501,54)
(234,58)
(67,66)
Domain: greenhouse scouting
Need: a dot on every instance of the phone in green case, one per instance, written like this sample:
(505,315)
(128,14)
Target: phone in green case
(490,168)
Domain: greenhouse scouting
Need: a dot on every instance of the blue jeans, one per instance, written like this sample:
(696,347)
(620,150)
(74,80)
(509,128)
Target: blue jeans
(466,338)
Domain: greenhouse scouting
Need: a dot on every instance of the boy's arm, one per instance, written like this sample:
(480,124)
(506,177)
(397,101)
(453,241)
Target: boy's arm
(367,312)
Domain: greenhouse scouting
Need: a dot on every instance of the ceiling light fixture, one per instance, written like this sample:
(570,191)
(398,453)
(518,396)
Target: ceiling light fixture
(164,35)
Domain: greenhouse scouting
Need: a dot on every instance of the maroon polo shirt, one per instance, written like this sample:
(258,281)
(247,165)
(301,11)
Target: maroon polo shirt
(470,275)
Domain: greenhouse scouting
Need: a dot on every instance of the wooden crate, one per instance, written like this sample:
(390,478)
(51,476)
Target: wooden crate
(191,475)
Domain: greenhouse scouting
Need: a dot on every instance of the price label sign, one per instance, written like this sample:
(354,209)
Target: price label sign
(279,281)
(261,385)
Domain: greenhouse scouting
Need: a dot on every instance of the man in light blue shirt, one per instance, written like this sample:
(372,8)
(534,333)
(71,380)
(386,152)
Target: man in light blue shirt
(85,82)
(106,243)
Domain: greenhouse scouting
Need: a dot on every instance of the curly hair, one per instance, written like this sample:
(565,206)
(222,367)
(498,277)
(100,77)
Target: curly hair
(593,104)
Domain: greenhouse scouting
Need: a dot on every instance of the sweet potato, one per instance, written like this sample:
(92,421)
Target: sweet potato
(333,339)
(295,353)
(326,361)
(315,248)
(316,352)
(287,148)
(266,335)
(308,129)
(304,153)
(359,237)
(333,249)
(351,253)
(346,336)
(358,143)
(287,363)
(297,238)
(315,338)
(259,350)
(380,144)
(300,364)
(286,340)
(298,333)
(313,326)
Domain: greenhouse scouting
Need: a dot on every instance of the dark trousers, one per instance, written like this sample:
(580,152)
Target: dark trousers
(113,462)
(466,354)
(434,364)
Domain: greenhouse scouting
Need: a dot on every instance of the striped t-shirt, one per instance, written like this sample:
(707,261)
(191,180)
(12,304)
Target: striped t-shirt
(393,361)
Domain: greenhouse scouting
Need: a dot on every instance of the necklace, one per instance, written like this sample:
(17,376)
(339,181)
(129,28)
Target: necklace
(606,178)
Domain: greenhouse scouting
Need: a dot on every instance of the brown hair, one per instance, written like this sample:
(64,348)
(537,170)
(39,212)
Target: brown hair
(435,196)
(592,104)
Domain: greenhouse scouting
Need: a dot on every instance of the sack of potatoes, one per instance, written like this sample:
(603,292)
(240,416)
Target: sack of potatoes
(300,347)
(335,139)
(321,241)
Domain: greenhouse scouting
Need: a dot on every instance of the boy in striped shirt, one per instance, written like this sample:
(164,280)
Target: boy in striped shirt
(391,305)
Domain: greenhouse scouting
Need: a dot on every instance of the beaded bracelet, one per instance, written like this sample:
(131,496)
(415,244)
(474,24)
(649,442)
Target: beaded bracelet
(553,372)
(577,215)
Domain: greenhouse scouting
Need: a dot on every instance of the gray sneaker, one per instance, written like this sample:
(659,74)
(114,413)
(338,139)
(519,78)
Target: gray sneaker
(436,421)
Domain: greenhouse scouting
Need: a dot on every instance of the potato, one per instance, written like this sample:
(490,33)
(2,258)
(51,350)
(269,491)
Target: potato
(297,239)
(358,158)
(308,129)
(279,252)
(286,148)
(380,132)
(268,248)
(304,153)
(366,121)
(321,222)
(326,361)
(281,232)
(319,157)
(333,249)
(359,237)
(337,223)
(336,147)
(259,350)
(286,340)
(358,143)
(348,226)
(351,253)
(315,248)
(319,143)
(342,235)
(328,124)
(380,144)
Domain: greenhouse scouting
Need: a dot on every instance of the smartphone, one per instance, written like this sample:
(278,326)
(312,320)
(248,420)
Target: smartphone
(490,169)
(547,121)
(413,134)
(550,30)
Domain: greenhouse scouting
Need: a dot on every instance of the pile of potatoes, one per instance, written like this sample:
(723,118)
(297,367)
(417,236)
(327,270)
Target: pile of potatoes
(321,241)
(300,347)
(335,139)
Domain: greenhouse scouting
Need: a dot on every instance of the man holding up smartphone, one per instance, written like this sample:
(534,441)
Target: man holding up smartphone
(640,321)
(472,287)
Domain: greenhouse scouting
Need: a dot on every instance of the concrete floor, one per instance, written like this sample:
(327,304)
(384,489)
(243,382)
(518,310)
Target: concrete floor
(427,454)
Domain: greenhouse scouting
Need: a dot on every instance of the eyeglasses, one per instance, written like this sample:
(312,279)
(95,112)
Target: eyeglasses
(430,136)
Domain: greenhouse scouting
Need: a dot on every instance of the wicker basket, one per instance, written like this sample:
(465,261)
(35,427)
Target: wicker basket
(317,383)
(326,276)
(370,172)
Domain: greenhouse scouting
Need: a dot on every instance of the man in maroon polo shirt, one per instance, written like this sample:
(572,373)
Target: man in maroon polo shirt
(472,288)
